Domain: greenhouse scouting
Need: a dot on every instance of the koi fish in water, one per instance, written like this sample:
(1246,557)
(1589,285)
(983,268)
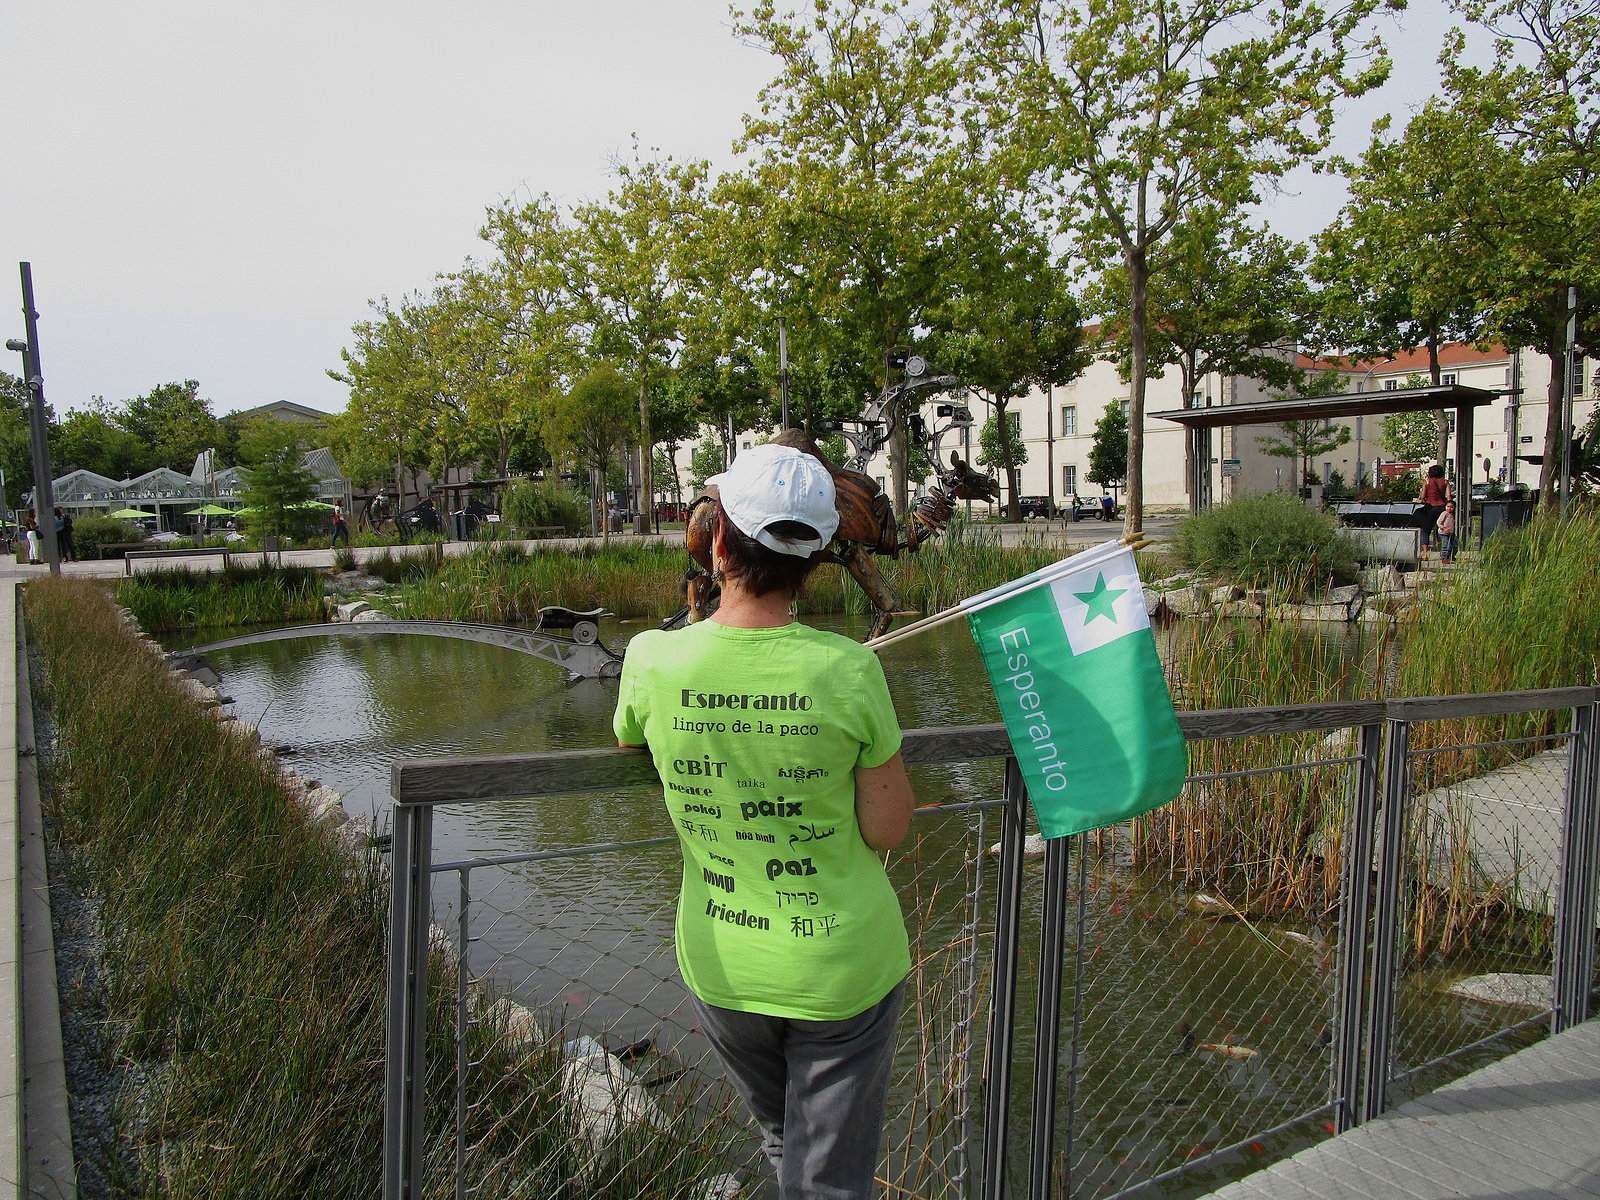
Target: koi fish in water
(1227,1051)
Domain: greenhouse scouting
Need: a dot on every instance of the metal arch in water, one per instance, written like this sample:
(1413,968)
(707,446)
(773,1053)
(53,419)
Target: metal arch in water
(592,661)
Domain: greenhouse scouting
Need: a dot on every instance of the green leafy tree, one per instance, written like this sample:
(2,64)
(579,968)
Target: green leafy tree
(1398,269)
(593,421)
(1001,447)
(1129,115)
(93,439)
(1409,436)
(383,369)
(1229,299)
(856,197)
(708,459)
(1010,326)
(16,443)
(275,482)
(1108,454)
(1303,441)
(628,276)
(174,421)
(1528,209)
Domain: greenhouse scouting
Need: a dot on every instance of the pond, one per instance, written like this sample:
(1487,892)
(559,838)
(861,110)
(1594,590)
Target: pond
(1192,1032)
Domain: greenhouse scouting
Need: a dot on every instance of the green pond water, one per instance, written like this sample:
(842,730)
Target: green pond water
(1192,1033)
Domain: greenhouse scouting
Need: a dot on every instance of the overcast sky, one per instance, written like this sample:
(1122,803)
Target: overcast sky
(214,191)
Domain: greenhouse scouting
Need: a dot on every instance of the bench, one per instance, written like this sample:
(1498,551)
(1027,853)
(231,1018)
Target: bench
(130,555)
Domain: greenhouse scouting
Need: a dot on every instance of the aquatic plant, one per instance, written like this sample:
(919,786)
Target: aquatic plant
(167,599)
(1256,540)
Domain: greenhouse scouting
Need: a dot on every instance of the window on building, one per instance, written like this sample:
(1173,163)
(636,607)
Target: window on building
(1390,385)
(1450,421)
(1125,404)
(1577,377)
(1016,423)
(1447,380)
(1069,420)
(1069,479)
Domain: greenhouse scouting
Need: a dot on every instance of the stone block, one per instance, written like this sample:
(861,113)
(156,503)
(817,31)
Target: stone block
(1226,593)
(369,616)
(1188,601)
(352,610)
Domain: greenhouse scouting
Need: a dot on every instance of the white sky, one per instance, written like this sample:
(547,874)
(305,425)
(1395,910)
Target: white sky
(214,191)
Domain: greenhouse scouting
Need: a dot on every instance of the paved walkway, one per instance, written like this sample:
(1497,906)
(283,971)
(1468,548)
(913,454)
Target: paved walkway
(1527,1126)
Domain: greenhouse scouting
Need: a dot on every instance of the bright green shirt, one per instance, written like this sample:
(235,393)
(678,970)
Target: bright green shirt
(756,734)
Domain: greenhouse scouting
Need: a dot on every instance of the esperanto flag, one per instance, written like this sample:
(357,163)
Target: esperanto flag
(1074,667)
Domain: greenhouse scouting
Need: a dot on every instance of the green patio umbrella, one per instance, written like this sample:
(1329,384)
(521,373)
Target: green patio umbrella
(130,514)
(209,510)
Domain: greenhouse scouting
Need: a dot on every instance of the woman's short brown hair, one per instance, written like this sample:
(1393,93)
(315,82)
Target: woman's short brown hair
(760,570)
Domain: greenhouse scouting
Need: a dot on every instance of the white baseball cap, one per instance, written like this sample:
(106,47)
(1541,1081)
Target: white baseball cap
(770,483)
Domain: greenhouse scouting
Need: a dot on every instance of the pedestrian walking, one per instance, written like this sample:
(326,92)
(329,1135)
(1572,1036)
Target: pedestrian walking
(340,529)
(32,529)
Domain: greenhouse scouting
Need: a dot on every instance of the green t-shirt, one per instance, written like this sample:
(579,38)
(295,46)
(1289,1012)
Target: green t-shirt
(756,734)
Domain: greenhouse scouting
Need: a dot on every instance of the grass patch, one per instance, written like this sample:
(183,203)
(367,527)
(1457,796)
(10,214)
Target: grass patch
(244,962)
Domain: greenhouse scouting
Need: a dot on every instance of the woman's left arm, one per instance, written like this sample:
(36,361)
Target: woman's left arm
(883,803)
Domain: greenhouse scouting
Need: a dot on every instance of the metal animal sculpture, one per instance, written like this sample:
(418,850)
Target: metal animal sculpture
(867,524)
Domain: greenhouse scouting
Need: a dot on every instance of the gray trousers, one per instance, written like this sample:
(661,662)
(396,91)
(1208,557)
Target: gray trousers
(817,1089)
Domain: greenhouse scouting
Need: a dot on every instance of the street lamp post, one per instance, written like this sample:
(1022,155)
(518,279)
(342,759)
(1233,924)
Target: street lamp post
(43,496)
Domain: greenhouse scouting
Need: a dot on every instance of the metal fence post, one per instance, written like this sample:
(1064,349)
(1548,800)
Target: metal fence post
(1575,890)
(1386,928)
(1355,910)
(406,1001)
(1047,1018)
(1003,1007)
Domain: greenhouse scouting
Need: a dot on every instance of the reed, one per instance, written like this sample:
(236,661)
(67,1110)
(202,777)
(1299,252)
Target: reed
(244,960)
(168,599)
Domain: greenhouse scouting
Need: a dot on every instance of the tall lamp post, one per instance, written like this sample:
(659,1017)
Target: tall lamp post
(43,497)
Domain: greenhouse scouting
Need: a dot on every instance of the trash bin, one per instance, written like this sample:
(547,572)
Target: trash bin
(1507,512)
(458,526)
(641,523)
(616,522)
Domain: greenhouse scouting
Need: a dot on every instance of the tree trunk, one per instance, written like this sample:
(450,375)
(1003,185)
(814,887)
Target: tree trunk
(1189,368)
(646,486)
(1441,417)
(1008,460)
(1138,295)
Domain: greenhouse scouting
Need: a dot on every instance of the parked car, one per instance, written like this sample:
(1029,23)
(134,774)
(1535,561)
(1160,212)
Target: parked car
(1036,506)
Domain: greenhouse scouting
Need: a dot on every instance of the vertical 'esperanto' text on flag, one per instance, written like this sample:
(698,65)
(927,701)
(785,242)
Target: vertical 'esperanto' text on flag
(1075,670)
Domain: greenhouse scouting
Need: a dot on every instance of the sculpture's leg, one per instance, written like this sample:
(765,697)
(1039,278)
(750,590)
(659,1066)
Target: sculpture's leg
(865,572)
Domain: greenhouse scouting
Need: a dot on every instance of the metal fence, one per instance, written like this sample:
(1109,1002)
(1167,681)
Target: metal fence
(1155,1007)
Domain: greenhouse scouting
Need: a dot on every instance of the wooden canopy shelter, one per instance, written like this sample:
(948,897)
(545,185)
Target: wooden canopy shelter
(1199,422)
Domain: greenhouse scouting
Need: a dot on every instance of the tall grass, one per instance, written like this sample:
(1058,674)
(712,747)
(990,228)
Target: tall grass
(1274,842)
(172,598)
(244,960)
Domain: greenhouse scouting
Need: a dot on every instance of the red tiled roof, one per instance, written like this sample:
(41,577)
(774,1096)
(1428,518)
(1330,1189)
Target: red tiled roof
(1451,354)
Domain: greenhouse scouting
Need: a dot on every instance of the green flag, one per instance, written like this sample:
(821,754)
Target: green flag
(1074,667)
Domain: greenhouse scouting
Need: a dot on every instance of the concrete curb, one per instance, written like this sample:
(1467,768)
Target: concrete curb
(13,1140)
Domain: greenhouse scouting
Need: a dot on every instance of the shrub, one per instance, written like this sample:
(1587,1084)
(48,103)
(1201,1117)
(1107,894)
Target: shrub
(91,532)
(547,502)
(1406,486)
(1262,540)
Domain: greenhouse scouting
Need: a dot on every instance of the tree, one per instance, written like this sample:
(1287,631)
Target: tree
(1132,114)
(707,460)
(1397,268)
(1000,446)
(1303,441)
(1410,436)
(94,439)
(628,279)
(1529,206)
(1009,326)
(174,422)
(16,442)
(274,480)
(1108,455)
(1229,299)
(590,423)
(385,414)
(857,200)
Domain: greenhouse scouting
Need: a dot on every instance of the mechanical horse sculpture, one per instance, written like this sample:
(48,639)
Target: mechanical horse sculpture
(867,524)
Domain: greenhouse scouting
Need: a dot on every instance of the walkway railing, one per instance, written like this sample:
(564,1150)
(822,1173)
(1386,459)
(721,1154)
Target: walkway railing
(1139,1010)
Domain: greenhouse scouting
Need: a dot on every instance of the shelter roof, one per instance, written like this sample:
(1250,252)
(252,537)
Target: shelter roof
(1316,408)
